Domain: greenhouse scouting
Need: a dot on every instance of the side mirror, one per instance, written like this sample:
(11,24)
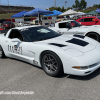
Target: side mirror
(15,40)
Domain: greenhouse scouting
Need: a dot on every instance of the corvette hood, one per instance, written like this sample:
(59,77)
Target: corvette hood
(80,43)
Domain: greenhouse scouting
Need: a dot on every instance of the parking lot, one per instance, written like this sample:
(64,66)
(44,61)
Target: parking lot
(16,75)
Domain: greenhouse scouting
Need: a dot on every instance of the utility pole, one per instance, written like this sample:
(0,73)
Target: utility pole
(65,4)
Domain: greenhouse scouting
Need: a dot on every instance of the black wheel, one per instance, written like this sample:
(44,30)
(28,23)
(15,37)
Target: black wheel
(2,55)
(51,64)
(94,36)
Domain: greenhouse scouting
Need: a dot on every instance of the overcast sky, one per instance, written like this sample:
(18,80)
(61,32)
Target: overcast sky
(46,3)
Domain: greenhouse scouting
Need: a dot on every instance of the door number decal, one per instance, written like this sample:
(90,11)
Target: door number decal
(15,49)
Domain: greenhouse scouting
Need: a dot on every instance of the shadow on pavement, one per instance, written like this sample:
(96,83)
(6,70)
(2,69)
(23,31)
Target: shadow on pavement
(85,78)
(25,62)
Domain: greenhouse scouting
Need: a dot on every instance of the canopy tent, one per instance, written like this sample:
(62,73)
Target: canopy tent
(79,14)
(69,12)
(55,13)
(92,12)
(37,12)
(20,14)
(98,10)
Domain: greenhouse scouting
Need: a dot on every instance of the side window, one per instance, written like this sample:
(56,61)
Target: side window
(62,25)
(88,19)
(82,20)
(15,34)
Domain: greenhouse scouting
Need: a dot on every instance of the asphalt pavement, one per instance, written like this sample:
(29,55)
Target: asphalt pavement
(17,76)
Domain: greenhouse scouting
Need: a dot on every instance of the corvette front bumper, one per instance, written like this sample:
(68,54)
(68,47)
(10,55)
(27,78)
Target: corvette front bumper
(90,59)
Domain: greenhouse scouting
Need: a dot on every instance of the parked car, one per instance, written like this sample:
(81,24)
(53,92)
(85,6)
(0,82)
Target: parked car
(53,52)
(73,27)
(7,25)
(93,20)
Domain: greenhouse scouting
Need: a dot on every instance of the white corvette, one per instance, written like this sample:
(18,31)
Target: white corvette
(73,27)
(55,53)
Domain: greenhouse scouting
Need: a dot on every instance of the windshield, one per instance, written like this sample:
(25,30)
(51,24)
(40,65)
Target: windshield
(74,24)
(38,33)
(98,17)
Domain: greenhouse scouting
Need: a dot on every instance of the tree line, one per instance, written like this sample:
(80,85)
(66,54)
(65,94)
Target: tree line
(78,6)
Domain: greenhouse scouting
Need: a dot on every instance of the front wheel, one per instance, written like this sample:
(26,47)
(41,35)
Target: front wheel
(94,36)
(2,55)
(51,64)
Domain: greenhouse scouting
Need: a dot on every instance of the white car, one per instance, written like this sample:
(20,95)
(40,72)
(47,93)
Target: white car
(55,53)
(73,27)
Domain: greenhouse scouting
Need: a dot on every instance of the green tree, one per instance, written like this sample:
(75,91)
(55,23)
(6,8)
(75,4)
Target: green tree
(69,8)
(83,4)
(77,3)
(52,8)
(59,9)
(96,5)
(73,6)
(62,10)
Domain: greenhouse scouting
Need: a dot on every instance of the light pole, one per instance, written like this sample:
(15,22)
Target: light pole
(8,6)
(8,2)
(65,4)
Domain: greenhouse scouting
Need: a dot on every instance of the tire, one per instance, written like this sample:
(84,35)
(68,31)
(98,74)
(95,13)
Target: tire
(94,36)
(2,55)
(51,64)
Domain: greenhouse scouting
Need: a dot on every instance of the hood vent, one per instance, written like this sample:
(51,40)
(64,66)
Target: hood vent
(56,44)
(78,42)
(79,36)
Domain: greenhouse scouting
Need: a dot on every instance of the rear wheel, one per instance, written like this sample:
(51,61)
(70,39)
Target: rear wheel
(94,36)
(51,64)
(2,55)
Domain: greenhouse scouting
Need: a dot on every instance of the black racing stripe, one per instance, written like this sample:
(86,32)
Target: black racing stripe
(79,36)
(56,44)
(78,42)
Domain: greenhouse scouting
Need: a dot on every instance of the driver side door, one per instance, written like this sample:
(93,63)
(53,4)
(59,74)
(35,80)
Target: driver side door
(64,29)
(16,46)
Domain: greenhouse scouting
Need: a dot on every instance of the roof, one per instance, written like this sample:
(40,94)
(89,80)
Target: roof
(89,17)
(65,21)
(92,12)
(20,14)
(23,27)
